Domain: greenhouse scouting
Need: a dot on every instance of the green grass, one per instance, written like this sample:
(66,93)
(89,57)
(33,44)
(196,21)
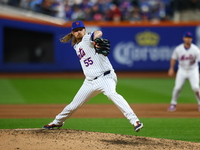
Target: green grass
(182,129)
(62,91)
(38,91)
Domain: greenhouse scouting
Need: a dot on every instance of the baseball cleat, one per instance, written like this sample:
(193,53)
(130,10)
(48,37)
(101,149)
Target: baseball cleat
(138,127)
(172,108)
(51,126)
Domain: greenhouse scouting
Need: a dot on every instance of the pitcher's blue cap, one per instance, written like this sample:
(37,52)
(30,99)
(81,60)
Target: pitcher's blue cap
(77,24)
(187,34)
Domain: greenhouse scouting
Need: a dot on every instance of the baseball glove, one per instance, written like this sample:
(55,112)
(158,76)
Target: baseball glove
(102,46)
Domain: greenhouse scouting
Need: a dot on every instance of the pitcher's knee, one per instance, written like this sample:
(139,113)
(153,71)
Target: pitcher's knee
(195,89)
(177,90)
(112,95)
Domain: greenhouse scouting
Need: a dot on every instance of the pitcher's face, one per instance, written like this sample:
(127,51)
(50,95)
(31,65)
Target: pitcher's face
(79,32)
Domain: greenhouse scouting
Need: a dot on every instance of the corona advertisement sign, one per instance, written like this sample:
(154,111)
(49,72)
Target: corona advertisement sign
(147,38)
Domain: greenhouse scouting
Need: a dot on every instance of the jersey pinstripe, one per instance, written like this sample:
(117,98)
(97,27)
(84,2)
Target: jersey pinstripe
(92,63)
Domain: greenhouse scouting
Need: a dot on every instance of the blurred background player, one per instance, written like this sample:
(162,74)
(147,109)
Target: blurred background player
(188,56)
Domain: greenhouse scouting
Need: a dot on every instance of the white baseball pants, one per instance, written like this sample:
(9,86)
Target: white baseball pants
(103,84)
(181,76)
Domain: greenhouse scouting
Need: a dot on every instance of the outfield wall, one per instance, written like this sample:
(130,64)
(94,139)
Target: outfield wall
(31,45)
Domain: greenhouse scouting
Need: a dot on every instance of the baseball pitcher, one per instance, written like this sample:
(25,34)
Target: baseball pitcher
(100,76)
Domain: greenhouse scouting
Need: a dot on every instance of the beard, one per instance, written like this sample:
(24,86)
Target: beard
(78,39)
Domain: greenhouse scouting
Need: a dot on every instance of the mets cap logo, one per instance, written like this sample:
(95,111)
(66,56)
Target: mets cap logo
(77,24)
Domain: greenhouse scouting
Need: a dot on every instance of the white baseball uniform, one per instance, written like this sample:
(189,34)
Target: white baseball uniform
(187,69)
(100,78)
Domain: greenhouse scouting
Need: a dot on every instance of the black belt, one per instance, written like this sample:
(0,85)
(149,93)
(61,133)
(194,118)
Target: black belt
(104,74)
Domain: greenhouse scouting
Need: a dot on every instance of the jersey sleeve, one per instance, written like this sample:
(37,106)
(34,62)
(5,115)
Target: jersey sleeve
(174,54)
(92,36)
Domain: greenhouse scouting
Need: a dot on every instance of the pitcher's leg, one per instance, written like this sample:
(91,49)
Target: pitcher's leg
(84,94)
(124,107)
(109,89)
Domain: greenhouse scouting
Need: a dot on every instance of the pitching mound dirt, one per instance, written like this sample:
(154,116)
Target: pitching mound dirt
(64,139)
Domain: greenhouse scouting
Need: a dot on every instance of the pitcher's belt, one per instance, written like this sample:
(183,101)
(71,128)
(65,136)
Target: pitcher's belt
(104,74)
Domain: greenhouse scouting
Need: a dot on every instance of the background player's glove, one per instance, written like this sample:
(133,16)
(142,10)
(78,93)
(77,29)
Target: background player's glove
(102,46)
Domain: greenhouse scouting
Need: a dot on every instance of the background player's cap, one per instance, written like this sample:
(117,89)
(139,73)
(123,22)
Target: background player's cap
(187,34)
(77,24)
